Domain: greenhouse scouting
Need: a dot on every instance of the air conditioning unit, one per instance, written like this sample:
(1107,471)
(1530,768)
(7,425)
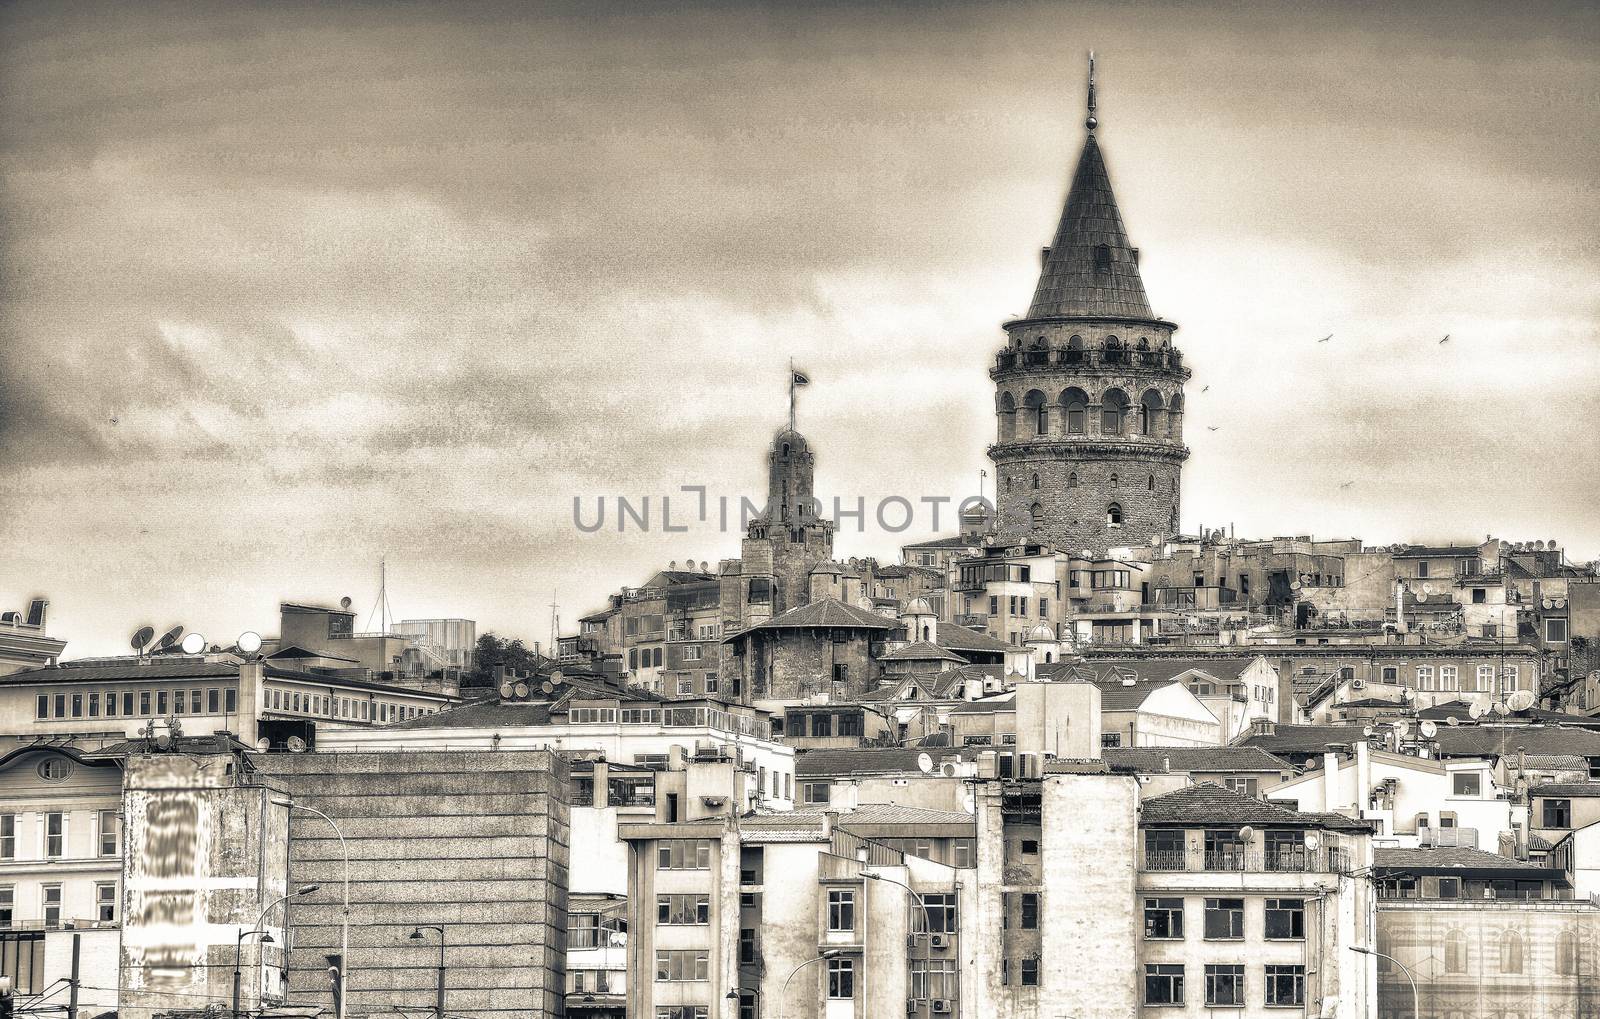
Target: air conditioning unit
(911,1006)
(1358,684)
(941,1005)
(940,941)
(911,941)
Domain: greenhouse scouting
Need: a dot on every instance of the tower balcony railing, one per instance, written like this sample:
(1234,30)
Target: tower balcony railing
(1010,359)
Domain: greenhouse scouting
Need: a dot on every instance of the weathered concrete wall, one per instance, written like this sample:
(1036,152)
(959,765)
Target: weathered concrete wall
(473,841)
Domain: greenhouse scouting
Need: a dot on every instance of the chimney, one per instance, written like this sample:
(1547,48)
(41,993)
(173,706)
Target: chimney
(1330,778)
(829,819)
(1044,257)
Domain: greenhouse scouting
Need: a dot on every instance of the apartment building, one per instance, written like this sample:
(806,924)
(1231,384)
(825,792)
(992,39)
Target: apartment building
(1252,907)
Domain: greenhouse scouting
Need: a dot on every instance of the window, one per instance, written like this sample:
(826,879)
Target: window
(77,705)
(1455,952)
(1030,972)
(686,964)
(51,899)
(1286,985)
(178,702)
(1163,849)
(1479,596)
(1555,630)
(1036,511)
(214,701)
(1447,677)
(1467,783)
(1422,568)
(841,909)
(1224,919)
(1030,911)
(144,702)
(1286,919)
(678,910)
(1425,677)
(194,702)
(61,705)
(1557,814)
(841,978)
(681,1012)
(1391,674)
(105,899)
(55,837)
(684,854)
(8,906)
(685,686)
(1163,919)
(1508,679)
(933,978)
(1225,984)
(1163,984)
(1485,680)
(8,836)
(1030,847)
(54,769)
(813,792)
(42,706)
(941,911)
(692,653)
(111,704)
(1111,739)
(1511,952)
(110,830)
(1114,515)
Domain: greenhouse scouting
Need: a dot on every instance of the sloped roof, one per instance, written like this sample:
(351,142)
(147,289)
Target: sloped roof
(984,705)
(870,760)
(828,613)
(1115,696)
(1432,551)
(153,668)
(1201,759)
(1227,668)
(213,743)
(956,541)
(921,651)
(1504,740)
(1212,804)
(294,651)
(1303,739)
(1453,859)
(1071,283)
(961,638)
(1568,789)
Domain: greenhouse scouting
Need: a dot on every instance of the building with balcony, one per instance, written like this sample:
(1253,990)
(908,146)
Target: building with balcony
(24,642)
(1251,907)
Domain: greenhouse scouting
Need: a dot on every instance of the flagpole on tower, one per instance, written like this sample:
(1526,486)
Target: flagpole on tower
(791,394)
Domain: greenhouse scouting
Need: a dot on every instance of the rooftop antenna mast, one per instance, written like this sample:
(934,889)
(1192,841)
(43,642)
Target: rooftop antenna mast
(1091,123)
(555,623)
(382,608)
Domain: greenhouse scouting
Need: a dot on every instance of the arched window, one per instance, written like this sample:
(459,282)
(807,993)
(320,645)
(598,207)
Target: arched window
(633,658)
(1072,480)
(1102,257)
(1075,350)
(1149,412)
(1114,514)
(1113,479)
(1567,954)
(1075,408)
(1151,485)
(1113,407)
(1174,427)
(1037,512)
(1007,411)
(1036,481)
(1008,482)
(1511,952)
(1049,657)
(1455,952)
(655,657)
(1037,412)
(1113,350)
(927,632)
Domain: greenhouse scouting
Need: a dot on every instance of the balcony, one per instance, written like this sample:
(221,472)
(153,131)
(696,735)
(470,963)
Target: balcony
(1244,861)
(1009,360)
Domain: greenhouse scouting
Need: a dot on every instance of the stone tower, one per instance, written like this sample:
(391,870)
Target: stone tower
(1089,388)
(783,543)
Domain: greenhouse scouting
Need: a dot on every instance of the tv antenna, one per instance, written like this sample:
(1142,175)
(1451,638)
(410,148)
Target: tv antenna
(382,609)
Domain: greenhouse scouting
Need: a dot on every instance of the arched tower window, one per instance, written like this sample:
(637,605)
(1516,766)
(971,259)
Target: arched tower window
(1114,514)
(1152,483)
(1037,512)
(1113,409)
(1113,350)
(1114,480)
(1102,258)
(1075,350)
(1149,412)
(1072,480)
(1037,412)
(1008,482)
(633,658)
(927,632)
(1006,409)
(1036,481)
(1174,427)
(1075,408)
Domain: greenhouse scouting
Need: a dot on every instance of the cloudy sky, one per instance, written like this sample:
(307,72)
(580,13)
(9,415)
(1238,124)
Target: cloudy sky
(288,290)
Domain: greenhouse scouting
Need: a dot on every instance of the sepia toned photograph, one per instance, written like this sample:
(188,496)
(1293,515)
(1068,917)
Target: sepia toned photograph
(810,510)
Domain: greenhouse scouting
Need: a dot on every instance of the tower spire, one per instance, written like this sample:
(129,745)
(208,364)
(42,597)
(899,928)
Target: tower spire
(1091,123)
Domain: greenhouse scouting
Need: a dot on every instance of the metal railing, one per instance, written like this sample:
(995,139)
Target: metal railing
(1114,358)
(1330,860)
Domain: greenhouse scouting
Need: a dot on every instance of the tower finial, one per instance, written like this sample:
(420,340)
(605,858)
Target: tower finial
(1091,123)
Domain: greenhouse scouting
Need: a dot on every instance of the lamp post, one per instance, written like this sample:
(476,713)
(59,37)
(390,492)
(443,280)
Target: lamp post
(832,953)
(927,948)
(1416,1000)
(344,938)
(416,935)
(737,995)
(238,942)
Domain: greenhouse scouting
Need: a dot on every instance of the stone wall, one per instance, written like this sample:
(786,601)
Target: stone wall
(473,841)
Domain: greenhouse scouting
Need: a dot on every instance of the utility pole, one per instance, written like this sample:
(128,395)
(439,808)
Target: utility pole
(72,996)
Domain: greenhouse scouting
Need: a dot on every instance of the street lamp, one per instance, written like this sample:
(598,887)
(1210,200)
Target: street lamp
(783,999)
(266,939)
(927,948)
(1416,1001)
(344,938)
(416,935)
(738,993)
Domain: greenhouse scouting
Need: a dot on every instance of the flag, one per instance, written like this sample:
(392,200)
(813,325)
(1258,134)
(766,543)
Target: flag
(800,379)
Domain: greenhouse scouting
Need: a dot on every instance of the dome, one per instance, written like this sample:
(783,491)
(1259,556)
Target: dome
(1044,632)
(790,441)
(918,607)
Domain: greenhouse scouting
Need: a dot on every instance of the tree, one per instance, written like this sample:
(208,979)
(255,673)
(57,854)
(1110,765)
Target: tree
(493,650)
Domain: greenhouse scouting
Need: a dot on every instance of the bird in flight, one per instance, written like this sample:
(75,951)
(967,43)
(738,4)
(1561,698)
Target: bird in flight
(1347,484)
(1204,388)
(113,420)
(1326,338)
(1212,428)
(1446,339)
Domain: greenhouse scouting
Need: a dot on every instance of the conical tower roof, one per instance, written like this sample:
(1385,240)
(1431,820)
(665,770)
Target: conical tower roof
(1091,271)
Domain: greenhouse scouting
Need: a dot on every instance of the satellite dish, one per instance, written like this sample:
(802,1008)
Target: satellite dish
(1521,700)
(193,644)
(344,602)
(521,689)
(1294,585)
(1539,546)
(547,687)
(948,770)
(164,740)
(142,637)
(1500,709)
(249,642)
(1313,843)
(1402,729)
(1085,554)
(1366,730)
(296,745)
(1452,720)
(505,689)
(1428,729)
(924,763)
(1422,596)
(263,745)
(169,638)
(1427,588)
(1546,604)
(1561,603)
(1475,709)
(1247,834)
(557,678)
